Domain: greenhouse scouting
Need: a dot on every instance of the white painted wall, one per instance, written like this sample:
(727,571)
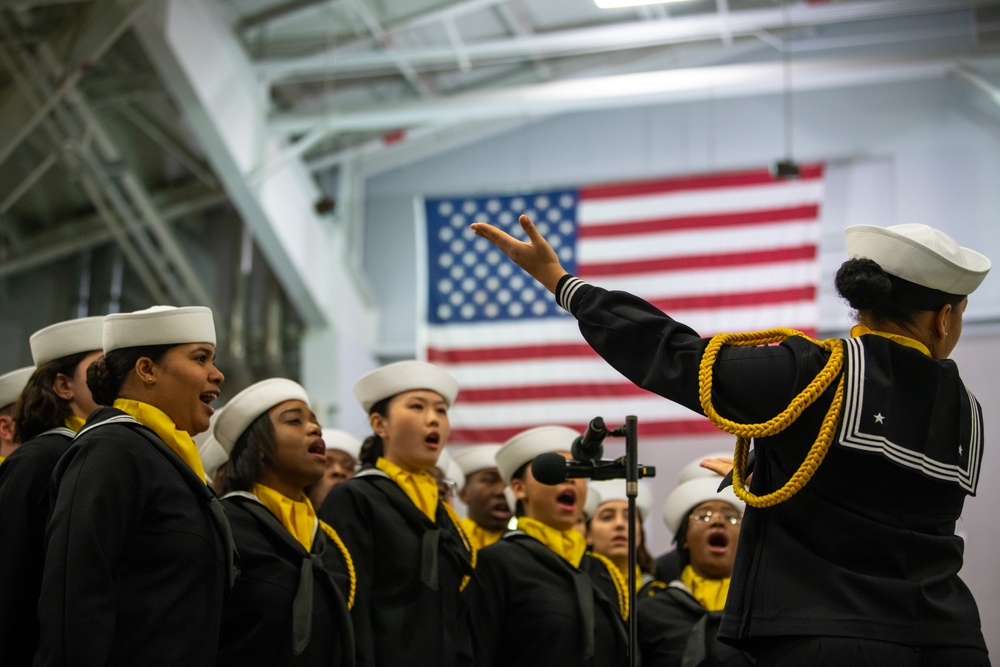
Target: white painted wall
(910,152)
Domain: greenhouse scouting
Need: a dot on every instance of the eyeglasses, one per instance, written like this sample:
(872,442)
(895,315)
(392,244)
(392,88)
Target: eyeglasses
(708,515)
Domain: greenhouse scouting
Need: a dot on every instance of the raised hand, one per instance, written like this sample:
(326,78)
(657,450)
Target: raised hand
(720,466)
(537,257)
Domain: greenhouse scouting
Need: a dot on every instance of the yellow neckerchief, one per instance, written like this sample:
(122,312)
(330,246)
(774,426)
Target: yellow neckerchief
(711,593)
(298,516)
(75,423)
(479,536)
(861,330)
(2,459)
(420,487)
(163,426)
(569,544)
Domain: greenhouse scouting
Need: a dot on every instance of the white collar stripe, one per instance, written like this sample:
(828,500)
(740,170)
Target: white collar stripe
(852,435)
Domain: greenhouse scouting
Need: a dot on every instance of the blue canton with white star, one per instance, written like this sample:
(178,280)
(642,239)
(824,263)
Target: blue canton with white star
(470,280)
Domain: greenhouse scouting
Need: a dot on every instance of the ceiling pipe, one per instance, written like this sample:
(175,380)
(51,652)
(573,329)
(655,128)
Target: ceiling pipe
(617,36)
(622,90)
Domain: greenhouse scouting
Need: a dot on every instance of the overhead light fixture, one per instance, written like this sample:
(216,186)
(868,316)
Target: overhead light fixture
(617,4)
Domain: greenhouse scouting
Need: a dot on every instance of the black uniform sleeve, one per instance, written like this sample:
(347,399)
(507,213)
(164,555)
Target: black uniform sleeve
(23,514)
(349,514)
(663,356)
(99,502)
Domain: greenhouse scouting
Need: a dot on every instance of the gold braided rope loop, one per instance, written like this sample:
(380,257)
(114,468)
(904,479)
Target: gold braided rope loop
(621,584)
(328,529)
(745,432)
(455,519)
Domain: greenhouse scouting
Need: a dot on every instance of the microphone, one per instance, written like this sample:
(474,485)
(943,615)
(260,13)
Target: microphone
(549,468)
(588,447)
(552,469)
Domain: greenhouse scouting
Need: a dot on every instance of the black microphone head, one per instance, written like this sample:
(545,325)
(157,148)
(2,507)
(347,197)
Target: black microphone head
(587,447)
(549,468)
(582,450)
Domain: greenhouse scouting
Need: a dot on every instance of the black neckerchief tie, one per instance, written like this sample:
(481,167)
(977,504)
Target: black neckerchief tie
(312,566)
(582,585)
(439,537)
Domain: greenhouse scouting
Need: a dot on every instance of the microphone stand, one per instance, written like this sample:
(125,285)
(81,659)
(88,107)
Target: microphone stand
(631,491)
(630,431)
(633,471)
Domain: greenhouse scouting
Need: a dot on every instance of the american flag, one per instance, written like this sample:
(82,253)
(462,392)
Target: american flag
(721,252)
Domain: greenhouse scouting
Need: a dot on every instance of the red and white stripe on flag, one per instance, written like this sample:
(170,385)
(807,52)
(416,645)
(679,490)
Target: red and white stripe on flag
(720,252)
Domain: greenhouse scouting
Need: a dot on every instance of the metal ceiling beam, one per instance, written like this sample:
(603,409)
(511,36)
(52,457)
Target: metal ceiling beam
(282,11)
(521,26)
(968,75)
(455,38)
(722,6)
(109,221)
(29,180)
(72,237)
(396,55)
(625,90)
(113,185)
(448,12)
(609,37)
(394,29)
(377,156)
(225,109)
(142,121)
(109,34)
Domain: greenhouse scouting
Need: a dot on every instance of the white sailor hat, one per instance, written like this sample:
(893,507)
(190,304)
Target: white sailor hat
(694,492)
(476,458)
(921,255)
(12,384)
(614,489)
(593,500)
(211,452)
(159,325)
(213,455)
(693,469)
(526,445)
(401,376)
(65,338)
(243,408)
(342,441)
(511,499)
(450,469)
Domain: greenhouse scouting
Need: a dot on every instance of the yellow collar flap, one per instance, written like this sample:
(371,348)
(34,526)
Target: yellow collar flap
(711,593)
(567,543)
(420,487)
(298,516)
(157,420)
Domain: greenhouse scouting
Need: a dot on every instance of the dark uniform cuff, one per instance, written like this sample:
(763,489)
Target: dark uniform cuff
(566,289)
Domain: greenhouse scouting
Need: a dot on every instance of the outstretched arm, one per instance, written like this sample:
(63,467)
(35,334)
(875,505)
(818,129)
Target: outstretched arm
(537,257)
